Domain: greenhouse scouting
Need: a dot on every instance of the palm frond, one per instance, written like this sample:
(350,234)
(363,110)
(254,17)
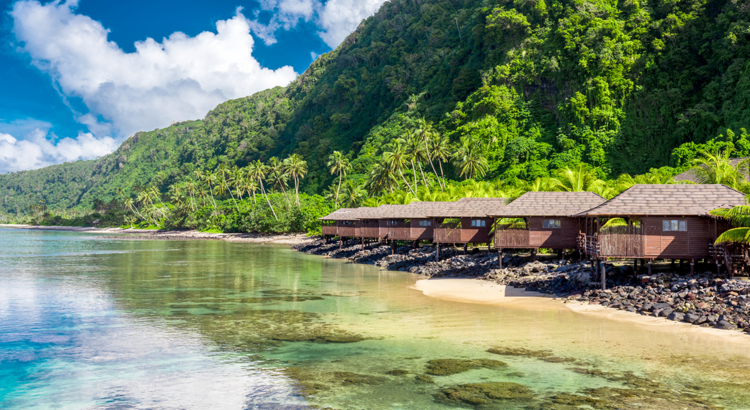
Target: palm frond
(736,235)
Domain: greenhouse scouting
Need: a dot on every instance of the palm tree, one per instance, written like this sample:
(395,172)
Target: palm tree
(470,160)
(277,172)
(739,217)
(381,178)
(250,185)
(223,171)
(338,164)
(396,159)
(576,179)
(177,195)
(297,168)
(427,133)
(352,195)
(131,204)
(146,198)
(441,151)
(210,180)
(715,167)
(257,171)
(191,187)
(415,151)
(237,179)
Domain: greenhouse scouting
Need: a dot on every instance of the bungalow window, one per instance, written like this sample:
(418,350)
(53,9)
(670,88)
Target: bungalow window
(478,223)
(674,225)
(425,223)
(551,224)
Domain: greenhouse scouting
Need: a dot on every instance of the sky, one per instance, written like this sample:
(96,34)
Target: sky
(78,77)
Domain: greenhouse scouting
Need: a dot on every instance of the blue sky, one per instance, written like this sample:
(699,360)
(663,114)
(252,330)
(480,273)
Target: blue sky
(78,77)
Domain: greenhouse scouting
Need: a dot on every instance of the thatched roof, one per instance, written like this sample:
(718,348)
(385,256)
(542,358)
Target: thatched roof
(551,204)
(678,200)
(470,208)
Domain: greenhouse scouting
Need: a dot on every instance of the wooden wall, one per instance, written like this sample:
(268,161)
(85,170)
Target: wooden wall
(692,243)
(346,229)
(536,236)
(420,233)
(368,228)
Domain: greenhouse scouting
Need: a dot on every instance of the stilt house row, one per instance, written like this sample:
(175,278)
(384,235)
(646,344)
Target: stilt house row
(659,222)
(543,220)
(466,220)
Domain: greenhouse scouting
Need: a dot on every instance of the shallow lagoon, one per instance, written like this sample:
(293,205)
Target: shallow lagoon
(97,323)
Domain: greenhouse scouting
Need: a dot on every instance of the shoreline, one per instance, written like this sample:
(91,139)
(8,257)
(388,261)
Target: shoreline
(699,301)
(150,234)
(477,291)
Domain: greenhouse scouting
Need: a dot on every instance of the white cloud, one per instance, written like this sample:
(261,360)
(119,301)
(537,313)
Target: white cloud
(339,18)
(336,18)
(37,150)
(176,79)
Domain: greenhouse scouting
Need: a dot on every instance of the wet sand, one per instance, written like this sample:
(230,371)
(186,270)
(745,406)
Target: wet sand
(283,239)
(487,293)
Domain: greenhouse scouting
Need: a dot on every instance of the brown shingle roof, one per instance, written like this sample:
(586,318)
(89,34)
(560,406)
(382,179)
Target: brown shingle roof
(413,210)
(551,204)
(469,208)
(347,214)
(669,200)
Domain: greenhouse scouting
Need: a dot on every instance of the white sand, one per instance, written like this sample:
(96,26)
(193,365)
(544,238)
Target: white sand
(487,293)
(476,291)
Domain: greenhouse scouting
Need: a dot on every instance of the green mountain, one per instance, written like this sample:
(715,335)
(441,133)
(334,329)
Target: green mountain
(540,84)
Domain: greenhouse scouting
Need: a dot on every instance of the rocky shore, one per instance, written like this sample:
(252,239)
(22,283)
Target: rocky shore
(703,299)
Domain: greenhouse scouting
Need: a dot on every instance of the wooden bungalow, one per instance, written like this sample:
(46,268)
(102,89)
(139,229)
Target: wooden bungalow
(410,222)
(659,222)
(466,221)
(343,222)
(543,220)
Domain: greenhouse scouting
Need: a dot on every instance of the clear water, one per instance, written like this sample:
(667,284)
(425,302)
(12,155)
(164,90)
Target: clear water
(98,323)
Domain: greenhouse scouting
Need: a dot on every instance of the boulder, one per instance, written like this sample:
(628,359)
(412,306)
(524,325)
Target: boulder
(723,324)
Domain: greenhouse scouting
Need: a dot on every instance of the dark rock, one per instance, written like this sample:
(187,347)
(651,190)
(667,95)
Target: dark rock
(676,316)
(725,325)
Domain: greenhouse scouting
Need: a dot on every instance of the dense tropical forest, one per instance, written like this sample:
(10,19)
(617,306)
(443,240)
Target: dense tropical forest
(432,100)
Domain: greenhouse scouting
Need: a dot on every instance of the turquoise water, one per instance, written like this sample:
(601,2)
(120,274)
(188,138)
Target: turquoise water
(99,323)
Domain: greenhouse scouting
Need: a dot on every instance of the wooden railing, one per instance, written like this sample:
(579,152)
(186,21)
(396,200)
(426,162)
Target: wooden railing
(330,230)
(347,231)
(512,238)
(447,233)
(368,232)
(621,244)
(399,233)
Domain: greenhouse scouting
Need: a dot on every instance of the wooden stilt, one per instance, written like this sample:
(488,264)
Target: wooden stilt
(562,254)
(682,263)
(341,243)
(500,258)
(393,247)
(635,266)
(363,244)
(604,275)
(718,267)
(533,254)
(649,268)
(692,267)
(437,253)
(466,245)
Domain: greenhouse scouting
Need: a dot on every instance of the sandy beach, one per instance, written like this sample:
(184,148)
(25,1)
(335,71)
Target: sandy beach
(487,293)
(282,239)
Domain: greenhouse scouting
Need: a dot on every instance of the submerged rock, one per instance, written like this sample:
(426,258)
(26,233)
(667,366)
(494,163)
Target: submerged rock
(485,393)
(446,367)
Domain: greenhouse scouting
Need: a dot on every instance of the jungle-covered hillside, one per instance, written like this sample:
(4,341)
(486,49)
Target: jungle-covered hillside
(537,84)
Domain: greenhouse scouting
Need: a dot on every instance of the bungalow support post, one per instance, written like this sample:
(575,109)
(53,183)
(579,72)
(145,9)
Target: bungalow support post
(500,257)
(437,252)
(692,267)
(604,275)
